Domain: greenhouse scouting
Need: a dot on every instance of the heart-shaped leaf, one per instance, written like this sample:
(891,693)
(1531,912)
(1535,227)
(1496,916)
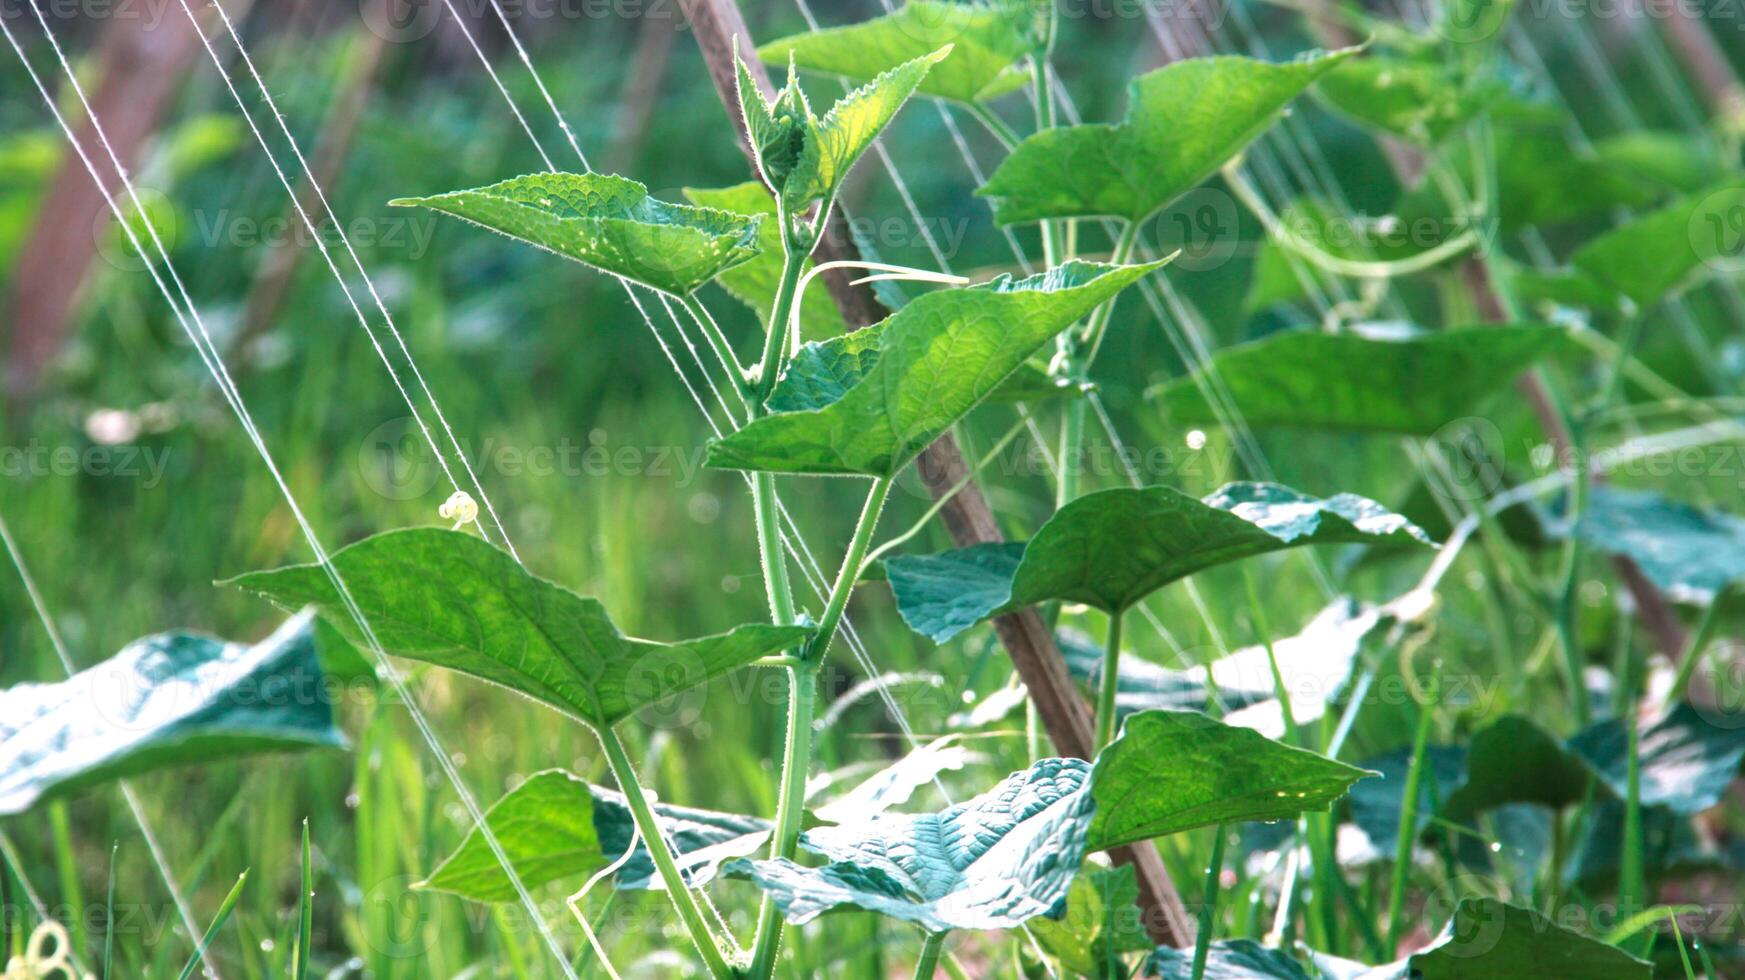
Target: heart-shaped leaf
(804,157)
(993,862)
(1689,553)
(1378,381)
(1111,548)
(851,409)
(167,700)
(609,223)
(1183,122)
(1488,939)
(988,41)
(1171,771)
(1649,256)
(555,826)
(755,281)
(1514,760)
(1100,925)
(454,600)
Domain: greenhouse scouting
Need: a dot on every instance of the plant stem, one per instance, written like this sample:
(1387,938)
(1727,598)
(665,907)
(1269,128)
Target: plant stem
(928,964)
(652,838)
(1408,831)
(1693,652)
(1109,683)
(1209,905)
(718,343)
(802,705)
(1632,878)
(776,331)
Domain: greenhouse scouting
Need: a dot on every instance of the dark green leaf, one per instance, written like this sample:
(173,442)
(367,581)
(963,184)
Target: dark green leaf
(1376,803)
(1171,771)
(609,223)
(1183,122)
(991,863)
(1491,940)
(1690,553)
(1649,256)
(454,600)
(167,700)
(1112,548)
(937,358)
(755,281)
(1514,760)
(1686,758)
(988,41)
(1381,381)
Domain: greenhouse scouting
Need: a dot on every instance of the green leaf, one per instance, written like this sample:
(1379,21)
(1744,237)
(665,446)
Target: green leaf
(987,43)
(1419,100)
(1183,122)
(1653,254)
(546,829)
(1112,548)
(555,826)
(167,700)
(755,281)
(936,359)
(1376,803)
(1101,923)
(1491,940)
(1314,665)
(993,862)
(894,784)
(1544,180)
(1689,553)
(454,600)
(1514,760)
(1171,771)
(1228,959)
(804,157)
(609,223)
(1378,381)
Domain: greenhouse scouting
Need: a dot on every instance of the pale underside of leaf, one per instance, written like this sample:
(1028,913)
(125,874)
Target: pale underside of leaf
(162,701)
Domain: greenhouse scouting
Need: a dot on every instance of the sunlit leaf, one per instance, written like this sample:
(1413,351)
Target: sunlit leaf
(988,42)
(454,600)
(851,409)
(1111,548)
(168,700)
(1686,760)
(805,157)
(894,784)
(1171,771)
(993,862)
(755,281)
(609,223)
(1183,122)
(1228,959)
(1420,100)
(1100,924)
(1375,380)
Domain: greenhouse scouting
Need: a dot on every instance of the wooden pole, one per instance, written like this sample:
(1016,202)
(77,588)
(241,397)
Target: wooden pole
(718,25)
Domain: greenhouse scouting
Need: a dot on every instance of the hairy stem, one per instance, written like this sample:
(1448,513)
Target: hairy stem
(802,705)
(680,894)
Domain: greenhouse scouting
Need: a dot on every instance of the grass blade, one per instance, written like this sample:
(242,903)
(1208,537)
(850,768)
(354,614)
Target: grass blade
(305,914)
(218,921)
